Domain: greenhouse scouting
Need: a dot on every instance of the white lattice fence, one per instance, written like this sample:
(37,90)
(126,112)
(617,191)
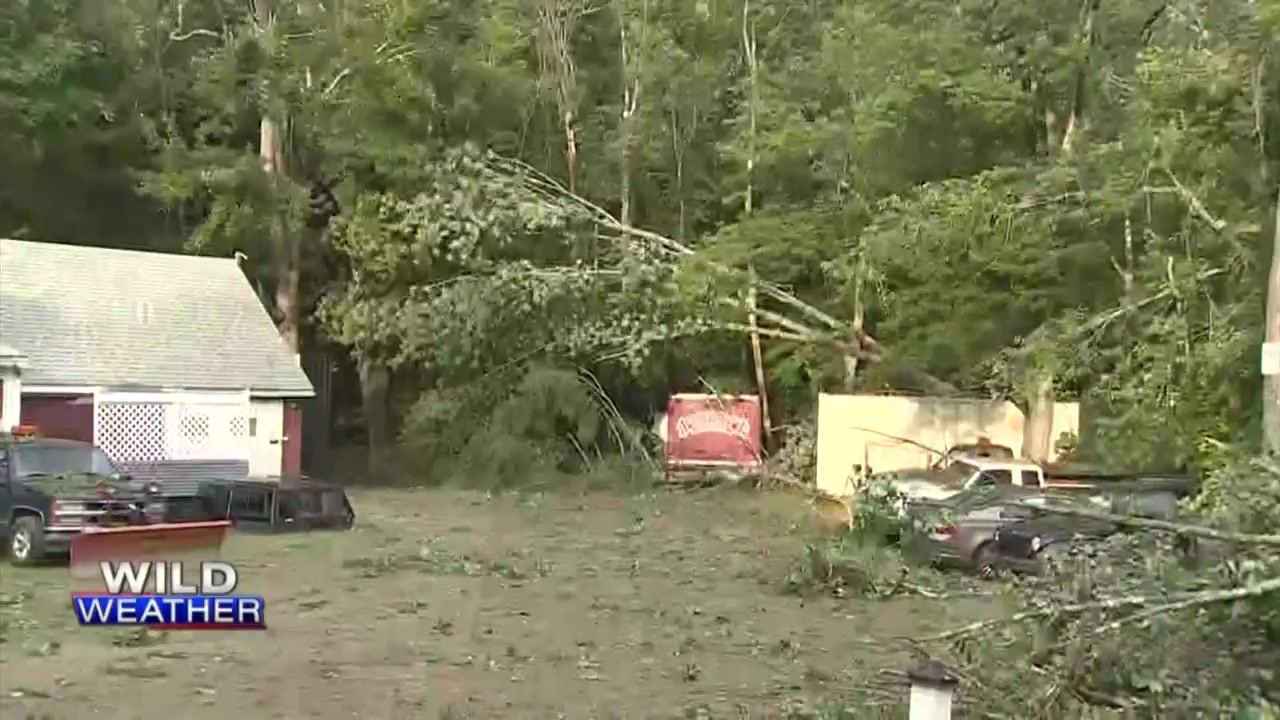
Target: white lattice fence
(155,429)
(130,431)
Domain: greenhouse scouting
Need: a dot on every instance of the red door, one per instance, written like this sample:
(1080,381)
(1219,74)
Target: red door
(61,416)
(291,463)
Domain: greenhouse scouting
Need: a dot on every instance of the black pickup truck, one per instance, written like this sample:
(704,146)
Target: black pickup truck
(52,490)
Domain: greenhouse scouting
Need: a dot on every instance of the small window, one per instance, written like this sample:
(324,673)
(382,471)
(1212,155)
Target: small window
(4,465)
(1030,478)
(994,478)
(250,506)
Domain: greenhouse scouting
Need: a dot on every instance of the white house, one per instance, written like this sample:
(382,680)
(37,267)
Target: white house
(152,356)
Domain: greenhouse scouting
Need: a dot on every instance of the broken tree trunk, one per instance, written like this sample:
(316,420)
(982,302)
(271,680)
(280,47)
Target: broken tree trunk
(557,21)
(757,357)
(1037,428)
(1271,350)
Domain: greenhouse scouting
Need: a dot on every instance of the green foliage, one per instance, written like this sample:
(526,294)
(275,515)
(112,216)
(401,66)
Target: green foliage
(906,164)
(551,423)
(797,455)
(1242,494)
(871,559)
(476,271)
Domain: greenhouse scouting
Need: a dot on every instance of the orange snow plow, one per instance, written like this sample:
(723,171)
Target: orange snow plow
(159,542)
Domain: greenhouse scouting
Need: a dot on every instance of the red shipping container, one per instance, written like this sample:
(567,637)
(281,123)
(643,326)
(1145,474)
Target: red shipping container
(713,431)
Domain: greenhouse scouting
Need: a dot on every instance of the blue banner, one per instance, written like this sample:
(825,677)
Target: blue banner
(171,612)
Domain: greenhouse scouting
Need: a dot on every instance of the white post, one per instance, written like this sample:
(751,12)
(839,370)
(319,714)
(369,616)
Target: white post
(933,687)
(10,398)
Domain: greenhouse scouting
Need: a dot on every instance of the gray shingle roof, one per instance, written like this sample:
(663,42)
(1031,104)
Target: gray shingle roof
(105,317)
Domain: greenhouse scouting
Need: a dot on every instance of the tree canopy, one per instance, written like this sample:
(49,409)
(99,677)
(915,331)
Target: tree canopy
(1065,199)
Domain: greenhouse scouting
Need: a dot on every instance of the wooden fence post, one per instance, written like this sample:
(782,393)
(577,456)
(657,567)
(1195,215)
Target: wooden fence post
(933,688)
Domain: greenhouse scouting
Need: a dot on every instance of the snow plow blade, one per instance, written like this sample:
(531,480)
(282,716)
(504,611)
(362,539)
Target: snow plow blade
(161,542)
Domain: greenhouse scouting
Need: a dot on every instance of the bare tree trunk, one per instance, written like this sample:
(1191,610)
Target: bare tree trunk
(557,20)
(681,135)
(375,381)
(571,151)
(625,190)
(1037,428)
(1076,115)
(859,317)
(288,252)
(677,149)
(632,69)
(1271,352)
(749,54)
(757,357)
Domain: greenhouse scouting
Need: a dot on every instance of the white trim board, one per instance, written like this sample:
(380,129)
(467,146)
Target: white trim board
(171,396)
(61,389)
(167,393)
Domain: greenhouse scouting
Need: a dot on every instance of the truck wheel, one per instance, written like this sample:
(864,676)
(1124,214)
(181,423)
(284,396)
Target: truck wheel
(986,561)
(26,541)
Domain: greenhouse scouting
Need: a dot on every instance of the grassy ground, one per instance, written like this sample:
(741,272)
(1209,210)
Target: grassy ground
(450,604)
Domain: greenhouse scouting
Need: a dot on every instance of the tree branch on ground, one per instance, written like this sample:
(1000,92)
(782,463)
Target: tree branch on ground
(1165,526)
(1158,604)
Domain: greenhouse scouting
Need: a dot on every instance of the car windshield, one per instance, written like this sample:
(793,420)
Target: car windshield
(38,459)
(978,497)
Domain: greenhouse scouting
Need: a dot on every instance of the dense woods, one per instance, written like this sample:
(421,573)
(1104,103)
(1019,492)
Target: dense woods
(477,201)
(520,224)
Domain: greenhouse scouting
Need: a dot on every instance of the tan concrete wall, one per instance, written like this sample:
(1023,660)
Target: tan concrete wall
(868,430)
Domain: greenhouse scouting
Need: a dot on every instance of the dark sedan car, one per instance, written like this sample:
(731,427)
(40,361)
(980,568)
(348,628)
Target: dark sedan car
(989,531)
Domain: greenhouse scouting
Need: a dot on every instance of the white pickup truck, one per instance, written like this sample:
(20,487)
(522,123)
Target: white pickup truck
(966,473)
(1148,496)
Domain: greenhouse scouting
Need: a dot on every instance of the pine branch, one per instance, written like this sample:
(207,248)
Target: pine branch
(1156,605)
(860,344)
(1165,526)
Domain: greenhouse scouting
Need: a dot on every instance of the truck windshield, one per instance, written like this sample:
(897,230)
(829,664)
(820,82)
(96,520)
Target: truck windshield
(956,474)
(34,460)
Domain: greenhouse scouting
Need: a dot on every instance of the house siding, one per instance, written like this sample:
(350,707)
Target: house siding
(63,416)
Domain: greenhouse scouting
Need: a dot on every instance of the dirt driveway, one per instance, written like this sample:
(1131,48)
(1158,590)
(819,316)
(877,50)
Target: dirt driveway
(448,605)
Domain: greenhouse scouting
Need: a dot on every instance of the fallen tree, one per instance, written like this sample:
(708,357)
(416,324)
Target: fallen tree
(1135,624)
